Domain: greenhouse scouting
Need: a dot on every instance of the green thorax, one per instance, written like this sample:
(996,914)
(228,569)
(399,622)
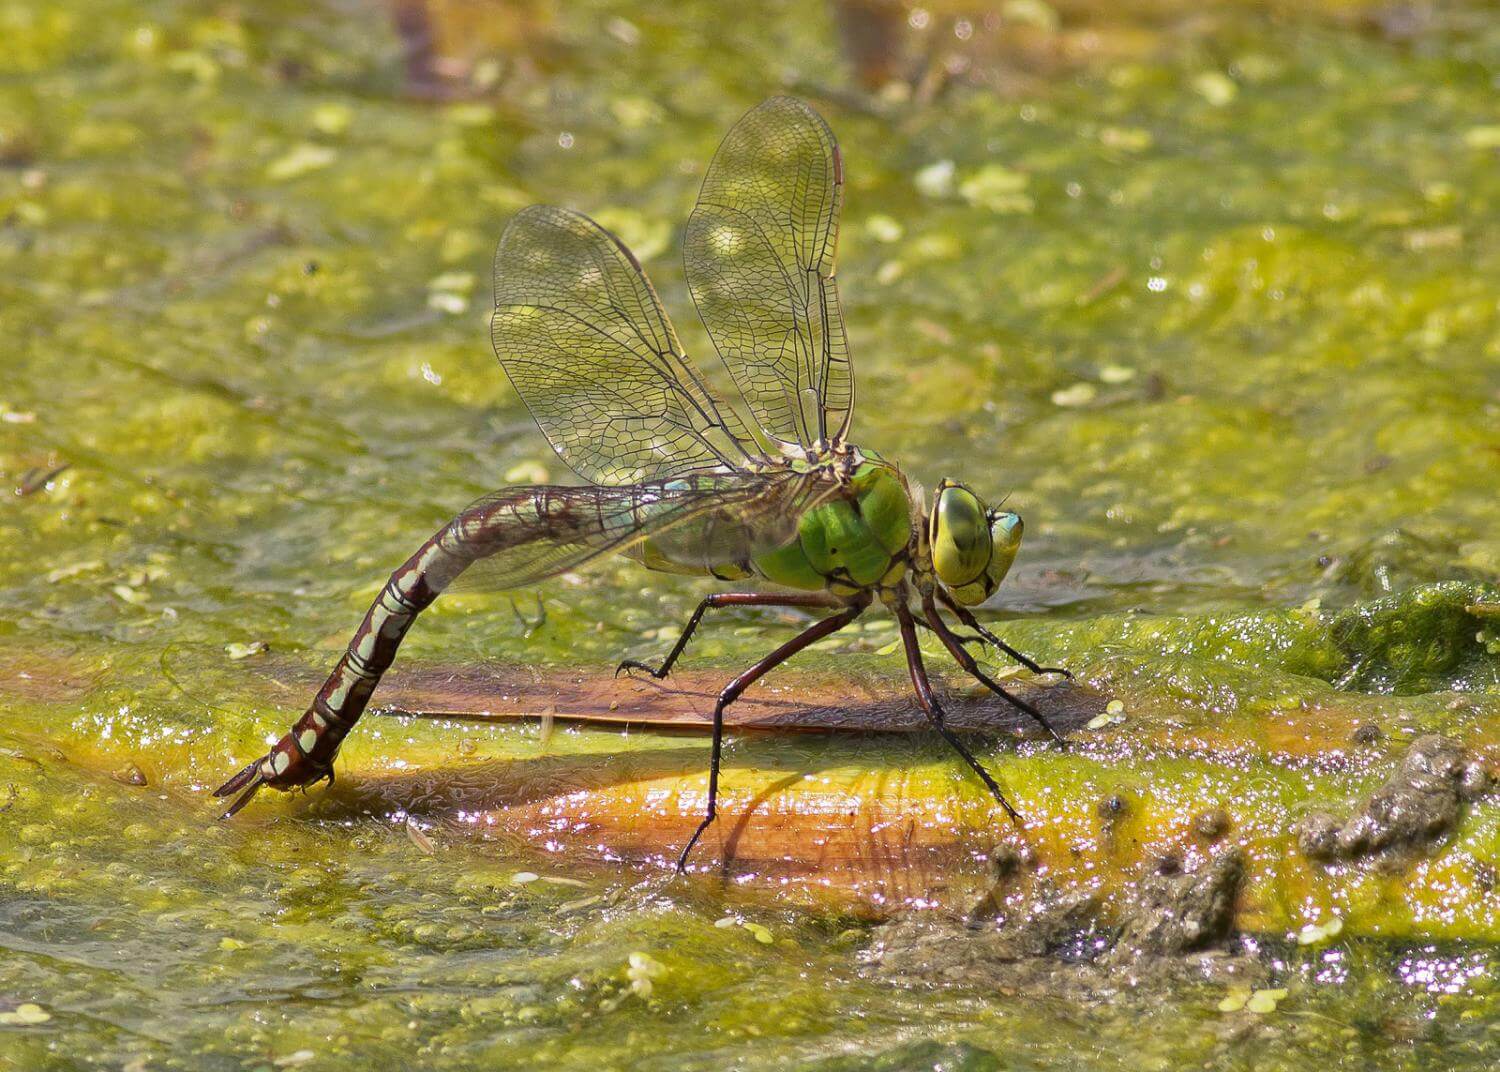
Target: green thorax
(856,540)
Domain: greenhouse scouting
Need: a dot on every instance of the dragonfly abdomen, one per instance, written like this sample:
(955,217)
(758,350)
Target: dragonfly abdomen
(516,520)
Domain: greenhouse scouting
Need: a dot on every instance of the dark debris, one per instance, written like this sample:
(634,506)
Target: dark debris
(1416,807)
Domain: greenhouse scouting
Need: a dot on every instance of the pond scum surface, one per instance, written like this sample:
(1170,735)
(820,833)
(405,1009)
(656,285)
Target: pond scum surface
(1211,293)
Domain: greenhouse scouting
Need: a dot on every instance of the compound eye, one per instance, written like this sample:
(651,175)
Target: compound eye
(960,536)
(1005,535)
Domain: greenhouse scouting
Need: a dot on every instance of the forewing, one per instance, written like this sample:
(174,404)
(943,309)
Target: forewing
(580,332)
(759,254)
(520,536)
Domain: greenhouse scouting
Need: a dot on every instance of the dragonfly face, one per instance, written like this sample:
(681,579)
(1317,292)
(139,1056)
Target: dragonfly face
(972,546)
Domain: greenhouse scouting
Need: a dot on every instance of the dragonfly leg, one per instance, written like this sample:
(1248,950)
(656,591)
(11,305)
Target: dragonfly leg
(967,617)
(811,635)
(964,659)
(966,638)
(727,599)
(934,711)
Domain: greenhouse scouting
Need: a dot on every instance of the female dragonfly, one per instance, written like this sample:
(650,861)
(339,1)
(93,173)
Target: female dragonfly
(675,478)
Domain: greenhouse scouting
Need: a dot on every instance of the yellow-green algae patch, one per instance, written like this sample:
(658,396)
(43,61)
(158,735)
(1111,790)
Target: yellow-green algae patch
(1211,298)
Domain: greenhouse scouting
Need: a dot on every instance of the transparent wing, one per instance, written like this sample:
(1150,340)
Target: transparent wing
(759,254)
(519,536)
(582,336)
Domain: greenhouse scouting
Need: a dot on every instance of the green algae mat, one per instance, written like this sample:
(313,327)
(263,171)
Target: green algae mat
(1209,292)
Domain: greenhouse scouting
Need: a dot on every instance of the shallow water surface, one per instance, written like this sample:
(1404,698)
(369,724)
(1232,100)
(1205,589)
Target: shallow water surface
(1209,293)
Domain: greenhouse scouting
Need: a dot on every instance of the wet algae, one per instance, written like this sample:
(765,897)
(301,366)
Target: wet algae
(1209,293)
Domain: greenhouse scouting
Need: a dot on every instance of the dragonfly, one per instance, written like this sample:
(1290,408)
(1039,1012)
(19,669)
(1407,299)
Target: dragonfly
(676,478)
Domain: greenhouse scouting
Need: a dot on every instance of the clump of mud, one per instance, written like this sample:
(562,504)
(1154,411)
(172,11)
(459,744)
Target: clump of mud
(1176,924)
(1174,913)
(1418,805)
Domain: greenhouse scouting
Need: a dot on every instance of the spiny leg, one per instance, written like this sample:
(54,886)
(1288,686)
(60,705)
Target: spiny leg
(964,659)
(811,635)
(967,617)
(935,712)
(727,599)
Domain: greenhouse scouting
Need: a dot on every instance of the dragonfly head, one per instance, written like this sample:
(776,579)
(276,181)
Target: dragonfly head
(972,544)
